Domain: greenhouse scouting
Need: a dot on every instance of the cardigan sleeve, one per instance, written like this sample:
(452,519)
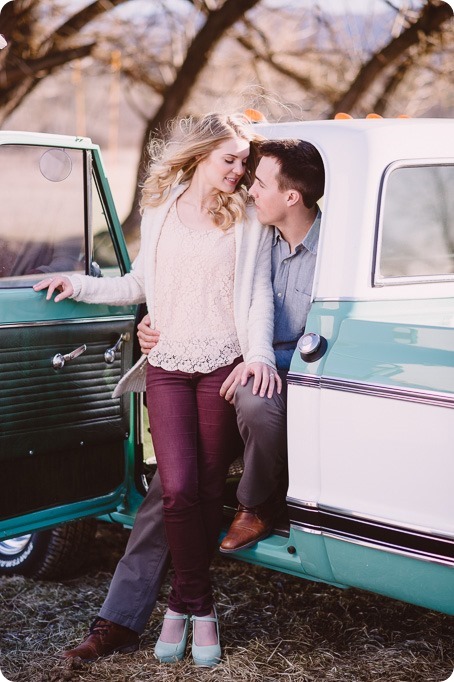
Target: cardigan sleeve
(128,289)
(261,310)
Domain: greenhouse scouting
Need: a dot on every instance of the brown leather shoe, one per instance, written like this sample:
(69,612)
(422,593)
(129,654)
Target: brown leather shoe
(250,525)
(103,639)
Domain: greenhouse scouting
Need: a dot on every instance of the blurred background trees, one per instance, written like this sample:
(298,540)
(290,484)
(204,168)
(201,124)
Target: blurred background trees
(118,70)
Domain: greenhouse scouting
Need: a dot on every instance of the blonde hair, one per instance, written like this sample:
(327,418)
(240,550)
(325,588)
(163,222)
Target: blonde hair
(192,139)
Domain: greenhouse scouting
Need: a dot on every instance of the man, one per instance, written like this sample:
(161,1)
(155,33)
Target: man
(289,181)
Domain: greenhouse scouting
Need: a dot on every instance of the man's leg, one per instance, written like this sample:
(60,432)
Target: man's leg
(263,426)
(141,571)
(135,585)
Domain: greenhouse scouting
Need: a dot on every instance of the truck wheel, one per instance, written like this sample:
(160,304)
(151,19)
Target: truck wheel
(48,554)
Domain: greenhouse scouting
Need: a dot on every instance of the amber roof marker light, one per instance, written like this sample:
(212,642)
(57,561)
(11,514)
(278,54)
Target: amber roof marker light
(255,116)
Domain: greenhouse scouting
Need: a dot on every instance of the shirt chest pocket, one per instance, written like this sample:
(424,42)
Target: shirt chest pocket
(298,308)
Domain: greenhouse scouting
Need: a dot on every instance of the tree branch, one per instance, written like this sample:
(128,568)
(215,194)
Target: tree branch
(79,20)
(432,16)
(46,64)
(217,23)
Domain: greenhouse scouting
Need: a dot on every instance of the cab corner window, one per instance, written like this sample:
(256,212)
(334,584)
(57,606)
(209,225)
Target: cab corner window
(417,225)
(42,213)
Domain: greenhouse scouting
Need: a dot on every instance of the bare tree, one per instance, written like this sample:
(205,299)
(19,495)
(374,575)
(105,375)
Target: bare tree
(217,22)
(174,53)
(32,53)
(395,54)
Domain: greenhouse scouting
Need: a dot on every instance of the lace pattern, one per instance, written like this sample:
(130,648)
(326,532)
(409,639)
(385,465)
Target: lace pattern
(194,298)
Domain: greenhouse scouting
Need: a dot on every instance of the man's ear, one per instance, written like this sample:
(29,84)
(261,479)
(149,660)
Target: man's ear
(293,196)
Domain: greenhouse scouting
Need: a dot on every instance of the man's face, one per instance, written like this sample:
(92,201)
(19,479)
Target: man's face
(270,201)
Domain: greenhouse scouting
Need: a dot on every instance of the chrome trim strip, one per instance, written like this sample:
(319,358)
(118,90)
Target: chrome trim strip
(382,281)
(302,503)
(414,395)
(401,551)
(376,520)
(380,534)
(308,380)
(57,323)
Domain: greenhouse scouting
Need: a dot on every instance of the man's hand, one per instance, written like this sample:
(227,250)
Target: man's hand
(266,379)
(58,283)
(148,338)
(228,388)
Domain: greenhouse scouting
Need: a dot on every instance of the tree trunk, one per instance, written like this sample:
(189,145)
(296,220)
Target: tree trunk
(217,23)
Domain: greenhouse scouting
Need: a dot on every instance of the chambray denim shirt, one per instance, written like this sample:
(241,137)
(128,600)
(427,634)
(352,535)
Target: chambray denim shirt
(293,276)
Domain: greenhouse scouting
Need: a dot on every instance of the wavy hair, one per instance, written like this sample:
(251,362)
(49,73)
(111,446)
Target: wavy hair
(175,160)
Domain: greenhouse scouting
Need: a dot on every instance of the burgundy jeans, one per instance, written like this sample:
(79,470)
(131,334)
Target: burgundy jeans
(193,431)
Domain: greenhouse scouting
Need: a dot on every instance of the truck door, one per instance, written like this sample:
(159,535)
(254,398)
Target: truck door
(62,436)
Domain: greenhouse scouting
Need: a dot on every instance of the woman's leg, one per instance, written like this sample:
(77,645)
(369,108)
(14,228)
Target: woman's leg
(172,407)
(192,428)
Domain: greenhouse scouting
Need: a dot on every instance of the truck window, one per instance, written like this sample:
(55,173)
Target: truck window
(416,236)
(41,213)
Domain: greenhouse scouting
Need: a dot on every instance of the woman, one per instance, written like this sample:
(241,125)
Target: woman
(204,270)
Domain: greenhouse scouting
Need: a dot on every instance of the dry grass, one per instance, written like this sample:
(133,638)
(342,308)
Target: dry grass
(275,628)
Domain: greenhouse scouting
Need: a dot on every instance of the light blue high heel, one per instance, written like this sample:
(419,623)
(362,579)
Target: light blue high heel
(209,655)
(166,652)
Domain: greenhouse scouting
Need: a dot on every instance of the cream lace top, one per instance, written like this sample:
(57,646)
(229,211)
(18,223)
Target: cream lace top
(194,298)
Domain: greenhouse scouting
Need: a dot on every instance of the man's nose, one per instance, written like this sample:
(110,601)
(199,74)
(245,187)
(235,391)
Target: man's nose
(252,193)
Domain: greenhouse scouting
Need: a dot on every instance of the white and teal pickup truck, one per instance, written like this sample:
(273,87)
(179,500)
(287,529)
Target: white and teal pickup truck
(371,384)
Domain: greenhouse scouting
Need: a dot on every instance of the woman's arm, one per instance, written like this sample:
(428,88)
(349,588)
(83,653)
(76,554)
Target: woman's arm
(261,311)
(126,290)
(260,359)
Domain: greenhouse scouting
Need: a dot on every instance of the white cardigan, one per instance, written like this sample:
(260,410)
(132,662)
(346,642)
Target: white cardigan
(253,294)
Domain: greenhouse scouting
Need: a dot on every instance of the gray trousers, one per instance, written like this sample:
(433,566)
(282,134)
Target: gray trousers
(141,571)
(263,426)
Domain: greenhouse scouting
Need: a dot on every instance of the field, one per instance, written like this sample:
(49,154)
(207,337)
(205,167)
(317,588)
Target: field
(274,628)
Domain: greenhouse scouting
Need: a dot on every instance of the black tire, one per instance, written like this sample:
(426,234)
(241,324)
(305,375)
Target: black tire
(49,554)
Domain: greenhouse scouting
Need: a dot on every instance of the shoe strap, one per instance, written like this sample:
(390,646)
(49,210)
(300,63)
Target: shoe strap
(183,616)
(207,619)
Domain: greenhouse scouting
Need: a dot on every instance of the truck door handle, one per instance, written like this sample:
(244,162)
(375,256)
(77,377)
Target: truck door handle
(109,354)
(59,360)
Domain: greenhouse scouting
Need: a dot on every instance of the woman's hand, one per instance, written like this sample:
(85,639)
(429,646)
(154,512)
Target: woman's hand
(266,379)
(58,283)
(148,338)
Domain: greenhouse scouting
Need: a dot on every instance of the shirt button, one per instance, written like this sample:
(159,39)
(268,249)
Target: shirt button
(279,295)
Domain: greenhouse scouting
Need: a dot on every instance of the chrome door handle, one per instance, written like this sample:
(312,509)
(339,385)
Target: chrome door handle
(109,354)
(59,360)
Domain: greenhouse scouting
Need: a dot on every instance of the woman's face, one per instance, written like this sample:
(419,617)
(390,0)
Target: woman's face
(225,166)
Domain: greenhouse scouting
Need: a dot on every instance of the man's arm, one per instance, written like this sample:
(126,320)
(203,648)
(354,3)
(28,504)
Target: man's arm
(148,338)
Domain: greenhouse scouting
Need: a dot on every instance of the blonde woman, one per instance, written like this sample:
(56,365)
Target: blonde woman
(203,269)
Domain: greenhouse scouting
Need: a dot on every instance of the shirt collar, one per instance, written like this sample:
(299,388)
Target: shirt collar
(310,241)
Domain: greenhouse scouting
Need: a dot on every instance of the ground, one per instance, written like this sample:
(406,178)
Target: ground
(274,628)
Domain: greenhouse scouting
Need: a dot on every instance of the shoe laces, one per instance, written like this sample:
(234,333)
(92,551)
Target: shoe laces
(100,627)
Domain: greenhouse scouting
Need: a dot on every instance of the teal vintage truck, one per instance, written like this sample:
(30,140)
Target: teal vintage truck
(371,385)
